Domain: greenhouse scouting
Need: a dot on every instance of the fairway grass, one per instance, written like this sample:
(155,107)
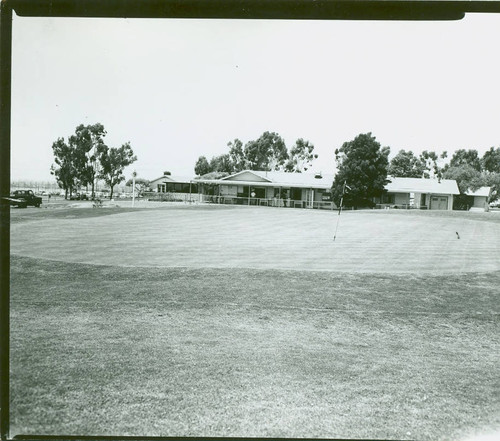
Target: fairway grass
(238,351)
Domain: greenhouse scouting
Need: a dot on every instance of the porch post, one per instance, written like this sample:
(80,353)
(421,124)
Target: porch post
(249,195)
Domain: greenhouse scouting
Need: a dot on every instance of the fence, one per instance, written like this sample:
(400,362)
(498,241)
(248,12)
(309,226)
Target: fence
(172,197)
(400,206)
(236,200)
(267,202)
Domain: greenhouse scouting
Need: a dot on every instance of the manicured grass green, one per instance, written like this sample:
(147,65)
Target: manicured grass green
(267,238)
(200,351)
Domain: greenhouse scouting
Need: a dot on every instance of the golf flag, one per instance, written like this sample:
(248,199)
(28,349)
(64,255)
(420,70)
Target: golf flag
(340,208)
(342,198)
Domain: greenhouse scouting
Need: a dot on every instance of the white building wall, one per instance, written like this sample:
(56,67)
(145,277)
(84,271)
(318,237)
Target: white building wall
(318,195)
(479,202)
(416,199)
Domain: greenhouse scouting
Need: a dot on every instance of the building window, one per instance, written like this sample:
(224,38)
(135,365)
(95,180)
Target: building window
(259,192)
(388,198)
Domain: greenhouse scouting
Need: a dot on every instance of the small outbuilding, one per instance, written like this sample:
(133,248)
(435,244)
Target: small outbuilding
(169,183)
(479,199)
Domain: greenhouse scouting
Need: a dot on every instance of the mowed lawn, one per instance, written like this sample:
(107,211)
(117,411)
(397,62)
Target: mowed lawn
(266,238)
(204,321)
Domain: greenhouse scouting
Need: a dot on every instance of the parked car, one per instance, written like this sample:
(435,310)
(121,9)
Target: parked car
(19,203)
(78,197)
(23,198)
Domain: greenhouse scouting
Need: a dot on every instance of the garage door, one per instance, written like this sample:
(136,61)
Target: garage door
(439,203)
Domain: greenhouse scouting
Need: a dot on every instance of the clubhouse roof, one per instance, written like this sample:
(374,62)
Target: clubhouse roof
(275,179)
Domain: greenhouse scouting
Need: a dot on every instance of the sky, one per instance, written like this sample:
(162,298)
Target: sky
(177,89)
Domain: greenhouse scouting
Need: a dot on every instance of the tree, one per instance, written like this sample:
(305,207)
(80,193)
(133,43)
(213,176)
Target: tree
(66,172)
(301,156)
(266,153)
(237,156)
(491,171)
(433,163)
(492,179)
(202,167)
(213,175)
(113,161)
(221,163)
(89,145)
(491,160)
(466,157)
(362,164)
(141,185)
(406,165)
(467,177)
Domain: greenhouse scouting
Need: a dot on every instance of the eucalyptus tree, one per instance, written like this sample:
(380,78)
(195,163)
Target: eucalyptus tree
(361,168)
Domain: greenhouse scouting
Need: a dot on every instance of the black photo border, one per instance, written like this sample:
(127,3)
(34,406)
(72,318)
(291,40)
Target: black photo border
(199,9)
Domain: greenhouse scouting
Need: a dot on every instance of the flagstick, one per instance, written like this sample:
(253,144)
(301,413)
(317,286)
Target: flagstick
(340,211)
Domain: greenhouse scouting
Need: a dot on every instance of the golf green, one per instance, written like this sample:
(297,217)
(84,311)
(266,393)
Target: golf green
(264,238)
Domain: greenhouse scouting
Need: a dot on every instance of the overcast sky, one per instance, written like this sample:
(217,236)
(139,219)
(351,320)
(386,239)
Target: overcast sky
(178,89)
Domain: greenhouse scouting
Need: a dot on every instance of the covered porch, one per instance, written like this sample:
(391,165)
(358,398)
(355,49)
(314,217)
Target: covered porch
(262,191)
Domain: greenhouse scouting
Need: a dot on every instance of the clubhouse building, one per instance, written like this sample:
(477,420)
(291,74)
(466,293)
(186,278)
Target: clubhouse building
(304,190)
(270,188)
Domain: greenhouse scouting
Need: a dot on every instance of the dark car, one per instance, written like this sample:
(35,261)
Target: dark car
(19,203)
(23,198)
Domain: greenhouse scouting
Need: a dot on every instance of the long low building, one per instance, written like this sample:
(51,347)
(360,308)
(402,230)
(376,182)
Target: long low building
(272,188)
(302,190)
(431,194)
